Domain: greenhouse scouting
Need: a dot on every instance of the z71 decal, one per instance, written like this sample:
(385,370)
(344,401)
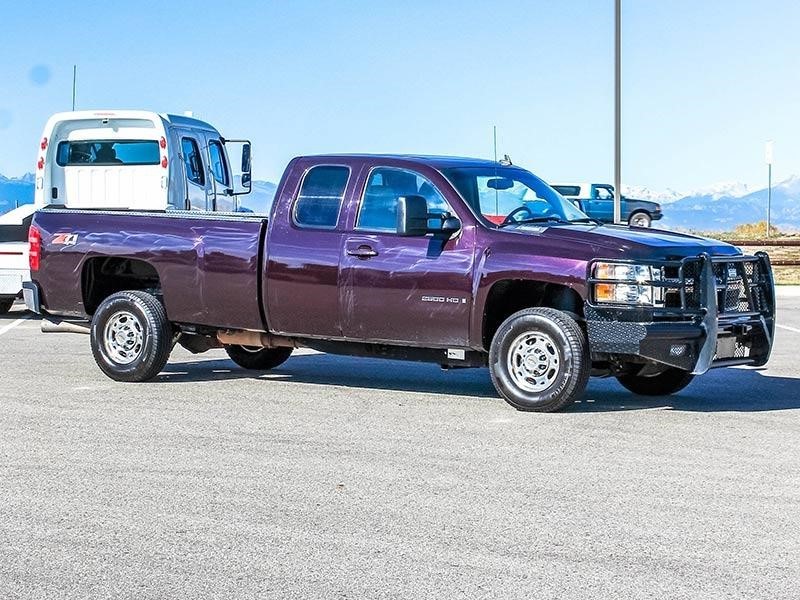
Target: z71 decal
(65,239)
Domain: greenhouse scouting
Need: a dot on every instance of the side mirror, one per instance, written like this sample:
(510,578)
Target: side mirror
(412,216)
(244,179)
(247,166)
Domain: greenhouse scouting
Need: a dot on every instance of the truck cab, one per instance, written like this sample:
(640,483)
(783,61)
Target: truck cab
(597,201)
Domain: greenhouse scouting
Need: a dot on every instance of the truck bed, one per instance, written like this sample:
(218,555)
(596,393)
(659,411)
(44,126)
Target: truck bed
(208,264)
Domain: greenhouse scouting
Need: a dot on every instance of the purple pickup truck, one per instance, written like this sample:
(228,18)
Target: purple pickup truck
(457,261)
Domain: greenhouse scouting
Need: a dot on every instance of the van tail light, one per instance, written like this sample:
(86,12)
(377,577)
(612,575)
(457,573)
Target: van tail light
(40,164)
(34,248)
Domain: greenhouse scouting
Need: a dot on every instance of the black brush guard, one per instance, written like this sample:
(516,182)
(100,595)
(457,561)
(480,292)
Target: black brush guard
(710,312)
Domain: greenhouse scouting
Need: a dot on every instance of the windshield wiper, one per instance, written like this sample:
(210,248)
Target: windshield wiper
(549,219)
(586,220)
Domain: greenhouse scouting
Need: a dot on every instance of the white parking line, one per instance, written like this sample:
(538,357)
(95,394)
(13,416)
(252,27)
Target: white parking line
(13,324)
(786,327)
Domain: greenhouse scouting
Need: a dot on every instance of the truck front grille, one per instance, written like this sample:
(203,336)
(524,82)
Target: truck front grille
(741,284)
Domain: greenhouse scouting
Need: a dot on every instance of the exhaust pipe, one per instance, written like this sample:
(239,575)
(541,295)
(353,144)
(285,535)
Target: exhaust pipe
(256,339)
(64,326)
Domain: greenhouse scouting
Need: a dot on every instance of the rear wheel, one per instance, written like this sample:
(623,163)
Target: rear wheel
(640,219)
(5,305)
(131,337)
(669,381)
(258,359)
(539,360)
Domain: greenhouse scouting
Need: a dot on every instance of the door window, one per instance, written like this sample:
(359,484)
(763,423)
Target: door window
(385,185)
(603,193)
(219,168)
(320,198)
(192,161)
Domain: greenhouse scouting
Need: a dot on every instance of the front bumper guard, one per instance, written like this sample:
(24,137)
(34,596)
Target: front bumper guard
(694,339)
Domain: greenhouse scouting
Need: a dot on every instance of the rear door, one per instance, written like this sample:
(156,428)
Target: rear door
(303,248)
(406,290)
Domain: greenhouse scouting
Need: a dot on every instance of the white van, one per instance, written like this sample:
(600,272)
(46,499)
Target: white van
(124,160)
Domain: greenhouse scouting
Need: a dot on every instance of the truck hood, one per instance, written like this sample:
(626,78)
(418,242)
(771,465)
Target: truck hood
(615,241)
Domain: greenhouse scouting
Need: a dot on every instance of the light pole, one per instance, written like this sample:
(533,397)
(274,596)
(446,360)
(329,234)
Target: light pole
(768,155)
(617,112)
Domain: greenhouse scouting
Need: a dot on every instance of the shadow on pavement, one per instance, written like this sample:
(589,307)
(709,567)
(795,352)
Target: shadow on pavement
(744,390)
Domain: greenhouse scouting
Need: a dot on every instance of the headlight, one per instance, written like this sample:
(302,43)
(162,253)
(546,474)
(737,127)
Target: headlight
(634,290)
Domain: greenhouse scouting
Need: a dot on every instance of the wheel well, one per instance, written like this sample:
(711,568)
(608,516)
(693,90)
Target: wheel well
(104,276)
(509,296)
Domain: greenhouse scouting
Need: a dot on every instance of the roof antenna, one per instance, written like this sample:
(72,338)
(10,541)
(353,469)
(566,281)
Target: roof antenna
(506,162)
(74,84)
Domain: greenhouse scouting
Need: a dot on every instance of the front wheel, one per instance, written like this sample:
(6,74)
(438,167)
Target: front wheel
(669,381)
(258,359)
(539,360)
(640,219)
(131,337)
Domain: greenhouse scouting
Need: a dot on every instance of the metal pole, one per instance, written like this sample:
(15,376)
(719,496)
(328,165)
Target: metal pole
(617,111)
(769,197)
(74,84)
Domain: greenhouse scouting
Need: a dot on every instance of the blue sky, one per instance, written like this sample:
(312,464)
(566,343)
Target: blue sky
(704,83)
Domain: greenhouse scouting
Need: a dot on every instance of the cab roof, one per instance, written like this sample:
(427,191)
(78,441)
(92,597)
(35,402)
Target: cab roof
(438,162)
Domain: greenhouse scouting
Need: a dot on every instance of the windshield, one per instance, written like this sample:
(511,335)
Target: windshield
(510,194)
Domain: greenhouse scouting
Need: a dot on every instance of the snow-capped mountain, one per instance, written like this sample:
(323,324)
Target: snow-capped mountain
(641,192)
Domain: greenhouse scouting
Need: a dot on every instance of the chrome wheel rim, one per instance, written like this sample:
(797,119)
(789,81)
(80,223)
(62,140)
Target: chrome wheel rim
(124,338)
(533,362)
(640,221)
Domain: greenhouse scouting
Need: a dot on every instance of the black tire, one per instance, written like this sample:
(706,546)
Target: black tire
(560,345)
(141,347)
(640,219)
(5,305)
(258,359)
(669,381)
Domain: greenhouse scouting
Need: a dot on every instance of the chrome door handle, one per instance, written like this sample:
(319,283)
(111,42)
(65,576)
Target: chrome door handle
(362,252)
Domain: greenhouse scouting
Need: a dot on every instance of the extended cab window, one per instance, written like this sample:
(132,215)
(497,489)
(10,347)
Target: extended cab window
(219,168)
(192,161)
(384,186)
(108,152)
(320,196)
(568,190)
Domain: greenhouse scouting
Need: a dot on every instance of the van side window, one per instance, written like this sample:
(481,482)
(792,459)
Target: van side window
(384,186)
(218,166)
(320,197)
(192,161)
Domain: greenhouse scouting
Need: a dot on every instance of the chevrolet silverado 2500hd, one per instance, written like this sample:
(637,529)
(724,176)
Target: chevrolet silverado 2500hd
(407,257)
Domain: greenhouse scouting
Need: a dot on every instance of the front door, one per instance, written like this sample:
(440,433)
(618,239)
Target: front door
(601,204)
(221,198)
(404,290)
(195,172)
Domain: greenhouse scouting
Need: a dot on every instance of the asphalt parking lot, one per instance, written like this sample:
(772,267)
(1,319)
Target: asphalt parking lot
(340,477)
